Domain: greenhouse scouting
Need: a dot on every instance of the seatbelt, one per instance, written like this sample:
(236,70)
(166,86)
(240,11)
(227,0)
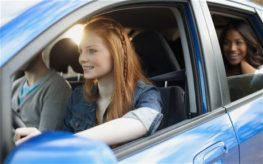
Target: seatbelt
(178,75)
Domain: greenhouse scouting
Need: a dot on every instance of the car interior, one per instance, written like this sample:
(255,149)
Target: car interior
(156,38)
(157,43)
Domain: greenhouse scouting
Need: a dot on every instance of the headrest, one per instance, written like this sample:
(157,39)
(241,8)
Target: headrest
(63,54)
(155,52)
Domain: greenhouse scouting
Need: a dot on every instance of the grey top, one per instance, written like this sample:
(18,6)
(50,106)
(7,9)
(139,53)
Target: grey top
(43,108)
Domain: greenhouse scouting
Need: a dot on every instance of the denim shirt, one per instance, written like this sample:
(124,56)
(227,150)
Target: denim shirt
(81,114)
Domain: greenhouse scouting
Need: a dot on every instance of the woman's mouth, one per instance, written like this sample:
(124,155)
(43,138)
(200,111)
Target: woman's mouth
(87,68)
(233,56)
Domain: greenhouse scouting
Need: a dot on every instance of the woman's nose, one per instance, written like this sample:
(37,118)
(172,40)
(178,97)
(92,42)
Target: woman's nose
(233,46)
(82,58)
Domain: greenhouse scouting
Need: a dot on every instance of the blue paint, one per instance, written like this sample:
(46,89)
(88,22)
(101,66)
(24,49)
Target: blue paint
(198,58)
(61,147)
(248,124)
(184,147)
(15,35)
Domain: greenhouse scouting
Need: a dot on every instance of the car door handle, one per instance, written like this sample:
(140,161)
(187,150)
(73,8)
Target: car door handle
(212,154)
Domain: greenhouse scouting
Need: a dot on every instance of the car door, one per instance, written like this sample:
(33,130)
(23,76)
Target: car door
(246,91)
(207,135)
(22,38)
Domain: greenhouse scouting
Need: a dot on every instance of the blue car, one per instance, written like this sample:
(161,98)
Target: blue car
(209,117)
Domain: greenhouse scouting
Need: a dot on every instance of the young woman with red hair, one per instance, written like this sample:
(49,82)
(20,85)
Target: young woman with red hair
(117,103)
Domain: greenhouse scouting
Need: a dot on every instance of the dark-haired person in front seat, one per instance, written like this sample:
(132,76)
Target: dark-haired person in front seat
(39,97)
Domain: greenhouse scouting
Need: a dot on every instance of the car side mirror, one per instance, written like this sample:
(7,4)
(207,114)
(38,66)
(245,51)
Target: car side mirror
(61,147)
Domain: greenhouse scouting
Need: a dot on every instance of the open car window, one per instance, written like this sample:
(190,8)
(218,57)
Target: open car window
(160,41)
(241,84)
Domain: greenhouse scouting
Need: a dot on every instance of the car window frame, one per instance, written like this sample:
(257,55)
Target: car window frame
(247,13)
(140,144)
(13,65)
(44,39)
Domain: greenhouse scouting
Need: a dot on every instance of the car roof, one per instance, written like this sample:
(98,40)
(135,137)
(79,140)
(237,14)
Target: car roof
(19,32)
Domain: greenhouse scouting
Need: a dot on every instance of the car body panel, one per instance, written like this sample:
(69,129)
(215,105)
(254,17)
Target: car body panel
(214,54)
(198,57)
(186,147)
(248,124)
(246,113)
(56,146)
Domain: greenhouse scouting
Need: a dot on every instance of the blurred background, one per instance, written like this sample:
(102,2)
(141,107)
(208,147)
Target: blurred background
(258,1)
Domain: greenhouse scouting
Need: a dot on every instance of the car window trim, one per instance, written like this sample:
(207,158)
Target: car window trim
(29,51)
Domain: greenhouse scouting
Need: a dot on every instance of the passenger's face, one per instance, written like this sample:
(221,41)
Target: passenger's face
(234,47)
(95,58)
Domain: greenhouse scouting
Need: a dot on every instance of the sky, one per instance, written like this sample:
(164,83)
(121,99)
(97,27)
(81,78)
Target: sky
(11,8)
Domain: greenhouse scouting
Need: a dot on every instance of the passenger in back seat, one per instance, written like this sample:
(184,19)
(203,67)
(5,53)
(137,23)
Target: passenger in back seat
(39,98)
(242,52)
(116,95)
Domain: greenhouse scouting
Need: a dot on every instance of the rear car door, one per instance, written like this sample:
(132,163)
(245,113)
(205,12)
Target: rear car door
(246,91)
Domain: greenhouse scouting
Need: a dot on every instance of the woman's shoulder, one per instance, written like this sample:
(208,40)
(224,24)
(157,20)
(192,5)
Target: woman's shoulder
(143,87)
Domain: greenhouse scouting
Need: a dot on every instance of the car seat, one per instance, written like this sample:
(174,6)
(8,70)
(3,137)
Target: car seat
(155,53)
(64,54)
(160,63)
(173,105)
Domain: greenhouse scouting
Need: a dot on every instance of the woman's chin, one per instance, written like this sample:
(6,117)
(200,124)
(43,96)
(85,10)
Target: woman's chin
(88,77)
(234,63)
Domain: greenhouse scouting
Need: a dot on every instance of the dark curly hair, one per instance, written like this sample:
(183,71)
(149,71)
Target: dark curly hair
(255,51)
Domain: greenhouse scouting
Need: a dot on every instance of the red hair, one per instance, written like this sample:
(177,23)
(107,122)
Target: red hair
(127,69)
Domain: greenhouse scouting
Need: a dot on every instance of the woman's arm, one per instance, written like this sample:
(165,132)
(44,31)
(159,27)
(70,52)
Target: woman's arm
(112,132)
(116,131)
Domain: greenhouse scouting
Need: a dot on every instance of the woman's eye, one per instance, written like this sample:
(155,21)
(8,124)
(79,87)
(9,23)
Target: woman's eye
(92,51)
(225,42)
(240,42)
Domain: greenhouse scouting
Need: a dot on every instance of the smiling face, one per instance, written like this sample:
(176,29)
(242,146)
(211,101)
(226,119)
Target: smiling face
(95,58)
(234,47)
